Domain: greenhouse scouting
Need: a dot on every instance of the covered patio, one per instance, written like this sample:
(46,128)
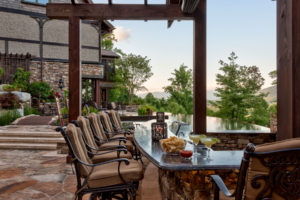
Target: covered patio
(288,62)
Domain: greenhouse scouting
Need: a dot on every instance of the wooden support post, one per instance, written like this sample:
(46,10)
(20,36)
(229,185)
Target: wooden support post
(74,68)
(199,71)
(97,92)
(288,68)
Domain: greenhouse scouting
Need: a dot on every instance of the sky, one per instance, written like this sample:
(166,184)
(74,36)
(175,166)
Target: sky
(247,27)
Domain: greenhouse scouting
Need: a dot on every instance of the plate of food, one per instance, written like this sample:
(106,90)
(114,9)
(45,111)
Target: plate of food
(172,145)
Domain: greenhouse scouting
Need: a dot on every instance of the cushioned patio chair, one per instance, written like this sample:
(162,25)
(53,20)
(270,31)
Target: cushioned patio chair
(101,138)
(117,123)
(268,171)
(109,129)
(99,153)
(110,132)
(118,177)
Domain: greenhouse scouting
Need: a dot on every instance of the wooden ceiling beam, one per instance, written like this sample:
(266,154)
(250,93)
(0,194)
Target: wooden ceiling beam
(117,12)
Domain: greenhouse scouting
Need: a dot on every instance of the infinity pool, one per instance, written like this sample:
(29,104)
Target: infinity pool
(215,124)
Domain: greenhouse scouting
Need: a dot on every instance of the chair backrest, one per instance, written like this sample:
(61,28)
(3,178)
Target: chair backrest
(106,121)
(270,171)
(100,123)
(97,126)
(78,148)
(87,131)
(116,119)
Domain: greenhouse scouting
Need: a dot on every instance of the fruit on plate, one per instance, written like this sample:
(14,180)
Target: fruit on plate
(186,153)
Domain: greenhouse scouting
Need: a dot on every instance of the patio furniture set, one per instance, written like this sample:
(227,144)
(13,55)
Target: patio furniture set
(107,159)
(107,163)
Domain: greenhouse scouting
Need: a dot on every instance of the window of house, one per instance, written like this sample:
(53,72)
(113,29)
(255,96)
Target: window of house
(43,2)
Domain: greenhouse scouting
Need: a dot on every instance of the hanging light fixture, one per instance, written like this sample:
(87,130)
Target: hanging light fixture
(61,84)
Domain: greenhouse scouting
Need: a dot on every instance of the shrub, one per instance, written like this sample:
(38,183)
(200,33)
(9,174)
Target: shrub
(64,110)
(84,111)
(41,90)
(93,110)
(28,110)
(21,79)
(8,117)
(9,88)
(143,110)
(175,108)
(1,72)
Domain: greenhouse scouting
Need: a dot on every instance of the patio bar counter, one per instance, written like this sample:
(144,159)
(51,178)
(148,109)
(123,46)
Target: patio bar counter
(181,178)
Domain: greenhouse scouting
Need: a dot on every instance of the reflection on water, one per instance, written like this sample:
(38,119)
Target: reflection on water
(215,124)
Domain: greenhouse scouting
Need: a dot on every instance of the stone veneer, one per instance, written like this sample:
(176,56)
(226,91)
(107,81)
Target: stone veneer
(192,185)
(238,141)
(53,71)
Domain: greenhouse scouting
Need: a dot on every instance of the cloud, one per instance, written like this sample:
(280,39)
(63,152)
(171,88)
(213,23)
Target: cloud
(121,33)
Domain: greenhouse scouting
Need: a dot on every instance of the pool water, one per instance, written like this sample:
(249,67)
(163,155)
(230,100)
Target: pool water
(215,124)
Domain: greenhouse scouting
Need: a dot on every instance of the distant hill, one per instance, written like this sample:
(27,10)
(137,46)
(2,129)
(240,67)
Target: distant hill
(165,95)
(158,95)
(272,93)
(272,96)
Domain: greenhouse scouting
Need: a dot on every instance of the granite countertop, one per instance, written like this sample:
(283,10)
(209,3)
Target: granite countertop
(153,151)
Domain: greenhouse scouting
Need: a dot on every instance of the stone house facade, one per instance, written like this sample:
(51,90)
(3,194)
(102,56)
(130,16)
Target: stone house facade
(25,29)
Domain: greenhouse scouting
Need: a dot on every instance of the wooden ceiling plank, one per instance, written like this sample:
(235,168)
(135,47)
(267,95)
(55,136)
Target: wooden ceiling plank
(117,12)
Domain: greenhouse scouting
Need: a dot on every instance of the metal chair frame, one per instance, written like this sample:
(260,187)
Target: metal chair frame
(281,180)
(107,192)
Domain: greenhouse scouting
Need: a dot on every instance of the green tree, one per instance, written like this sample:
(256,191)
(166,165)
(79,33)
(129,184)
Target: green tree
(180,90)
(21,79)
(149,98)
(1,72)
(238,88)
(273,75)
(108,41)
(131,72)
(41,90)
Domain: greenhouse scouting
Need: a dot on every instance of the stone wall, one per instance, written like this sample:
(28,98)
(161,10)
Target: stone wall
(234,141)
(192,185)
(53,71)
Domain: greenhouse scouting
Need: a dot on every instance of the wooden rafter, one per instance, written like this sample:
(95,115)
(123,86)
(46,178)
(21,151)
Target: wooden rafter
(117,12)
(170,12)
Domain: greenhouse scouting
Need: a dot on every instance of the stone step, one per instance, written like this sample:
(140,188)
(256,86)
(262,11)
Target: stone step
(34,140)
(29,134)
(27,146)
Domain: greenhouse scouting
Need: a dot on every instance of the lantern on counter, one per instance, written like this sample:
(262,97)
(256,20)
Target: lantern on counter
(159,131)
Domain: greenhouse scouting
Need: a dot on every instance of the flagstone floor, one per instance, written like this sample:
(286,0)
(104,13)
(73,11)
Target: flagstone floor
(42,175)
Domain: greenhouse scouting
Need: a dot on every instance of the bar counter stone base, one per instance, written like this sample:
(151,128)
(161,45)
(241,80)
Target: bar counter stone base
(192,185)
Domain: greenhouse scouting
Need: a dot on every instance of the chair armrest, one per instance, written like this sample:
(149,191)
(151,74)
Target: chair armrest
(111,147)
(103,163)
(220,185)
(118,138)
(106,152)
(101,141)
